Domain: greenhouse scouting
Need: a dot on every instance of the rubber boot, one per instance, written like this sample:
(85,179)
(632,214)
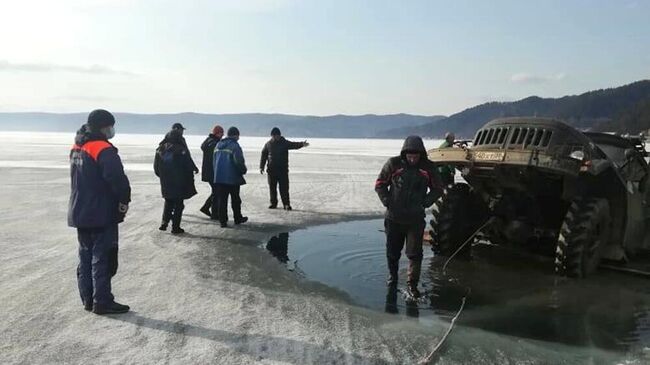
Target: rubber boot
(414,278)
(393,267)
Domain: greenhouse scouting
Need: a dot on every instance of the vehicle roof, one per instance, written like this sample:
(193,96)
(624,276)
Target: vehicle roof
(537,121)
(610,139)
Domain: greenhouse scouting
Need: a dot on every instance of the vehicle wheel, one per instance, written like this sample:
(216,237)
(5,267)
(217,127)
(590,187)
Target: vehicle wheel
(585,231)
(455,217)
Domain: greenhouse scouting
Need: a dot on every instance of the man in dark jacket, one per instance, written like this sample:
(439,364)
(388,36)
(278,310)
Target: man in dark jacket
(407,184)
(211,206)
(276,154)
(99,199)
(229,171)
(174,166)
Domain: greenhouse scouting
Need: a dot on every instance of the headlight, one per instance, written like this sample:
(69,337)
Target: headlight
(577,155)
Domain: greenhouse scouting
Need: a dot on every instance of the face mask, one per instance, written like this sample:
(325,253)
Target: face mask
(109,132)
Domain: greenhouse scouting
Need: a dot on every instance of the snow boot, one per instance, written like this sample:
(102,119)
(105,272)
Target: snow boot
(112,308)
(88,306)
(288,207)
(163,226)
(205,210)
(241,220)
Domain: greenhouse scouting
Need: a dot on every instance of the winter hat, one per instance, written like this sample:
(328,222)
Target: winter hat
(217,130)
(275,131)
(178,126)
(233,131)
(100,118)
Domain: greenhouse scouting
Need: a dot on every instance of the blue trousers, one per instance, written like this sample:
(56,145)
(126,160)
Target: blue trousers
(97,263)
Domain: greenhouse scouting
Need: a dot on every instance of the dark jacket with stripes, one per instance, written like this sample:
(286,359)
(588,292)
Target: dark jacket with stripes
(97,182)
(407,190)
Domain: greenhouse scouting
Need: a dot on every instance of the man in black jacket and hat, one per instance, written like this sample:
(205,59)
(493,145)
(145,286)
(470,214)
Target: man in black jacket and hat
(99,199)
(407,184)
(174,166)
(211,206)
(275,157)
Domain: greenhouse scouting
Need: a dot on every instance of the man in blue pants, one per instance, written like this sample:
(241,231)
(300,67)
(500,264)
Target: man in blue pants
(99,199)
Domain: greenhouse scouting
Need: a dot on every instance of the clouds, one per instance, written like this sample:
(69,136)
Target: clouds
(528,78)
(48,67)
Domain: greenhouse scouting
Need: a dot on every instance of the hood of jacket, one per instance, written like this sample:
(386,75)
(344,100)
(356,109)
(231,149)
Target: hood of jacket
(85,135)
(172,139)
(413,144)
(225,143)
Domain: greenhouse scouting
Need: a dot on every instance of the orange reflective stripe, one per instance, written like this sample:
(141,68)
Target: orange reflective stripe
(94,148)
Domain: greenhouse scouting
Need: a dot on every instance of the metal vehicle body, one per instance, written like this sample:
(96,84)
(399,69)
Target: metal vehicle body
(580,196)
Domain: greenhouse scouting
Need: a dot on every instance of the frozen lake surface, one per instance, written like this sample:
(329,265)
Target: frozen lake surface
(213,296)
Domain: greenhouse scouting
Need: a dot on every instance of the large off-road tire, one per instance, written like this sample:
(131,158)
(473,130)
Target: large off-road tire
(585,231)
(455,217)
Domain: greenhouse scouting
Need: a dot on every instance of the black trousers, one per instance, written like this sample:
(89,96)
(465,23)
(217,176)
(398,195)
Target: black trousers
(173,211)
(397,234)
(223,192)
(212,202)
(279,178)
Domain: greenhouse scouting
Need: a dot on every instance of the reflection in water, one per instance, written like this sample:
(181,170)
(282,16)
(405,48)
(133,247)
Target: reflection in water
(278,246)
(512,292)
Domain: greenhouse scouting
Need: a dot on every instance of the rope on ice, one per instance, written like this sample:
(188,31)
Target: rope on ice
(429,357)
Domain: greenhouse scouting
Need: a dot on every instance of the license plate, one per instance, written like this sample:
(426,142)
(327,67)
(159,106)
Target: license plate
(489,156)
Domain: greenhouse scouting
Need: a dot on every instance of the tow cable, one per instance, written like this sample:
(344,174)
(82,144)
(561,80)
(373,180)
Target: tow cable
(435,350)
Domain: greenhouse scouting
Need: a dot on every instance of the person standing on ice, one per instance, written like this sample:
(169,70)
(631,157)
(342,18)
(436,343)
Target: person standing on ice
(229,171)
(99,200)
(447,172)
(211,206)
(275,157)
(407,184)
(174,166)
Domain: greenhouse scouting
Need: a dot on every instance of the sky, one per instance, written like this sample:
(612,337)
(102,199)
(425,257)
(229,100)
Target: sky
(312,57)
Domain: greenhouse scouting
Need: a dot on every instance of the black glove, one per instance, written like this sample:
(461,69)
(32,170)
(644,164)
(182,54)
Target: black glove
(122,209)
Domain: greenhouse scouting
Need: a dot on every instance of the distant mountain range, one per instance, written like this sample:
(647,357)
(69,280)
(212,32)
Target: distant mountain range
(253,124)
(621,109)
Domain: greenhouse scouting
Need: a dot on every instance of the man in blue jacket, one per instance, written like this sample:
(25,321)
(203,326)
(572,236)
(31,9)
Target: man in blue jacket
(229,171)
(99,199)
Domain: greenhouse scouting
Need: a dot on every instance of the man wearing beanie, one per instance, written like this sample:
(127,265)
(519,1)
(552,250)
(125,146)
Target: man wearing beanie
(275,157)
(99,199)
(211,206)
(229,171)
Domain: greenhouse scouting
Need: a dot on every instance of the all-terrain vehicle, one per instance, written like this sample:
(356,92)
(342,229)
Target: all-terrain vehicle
(540,183)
